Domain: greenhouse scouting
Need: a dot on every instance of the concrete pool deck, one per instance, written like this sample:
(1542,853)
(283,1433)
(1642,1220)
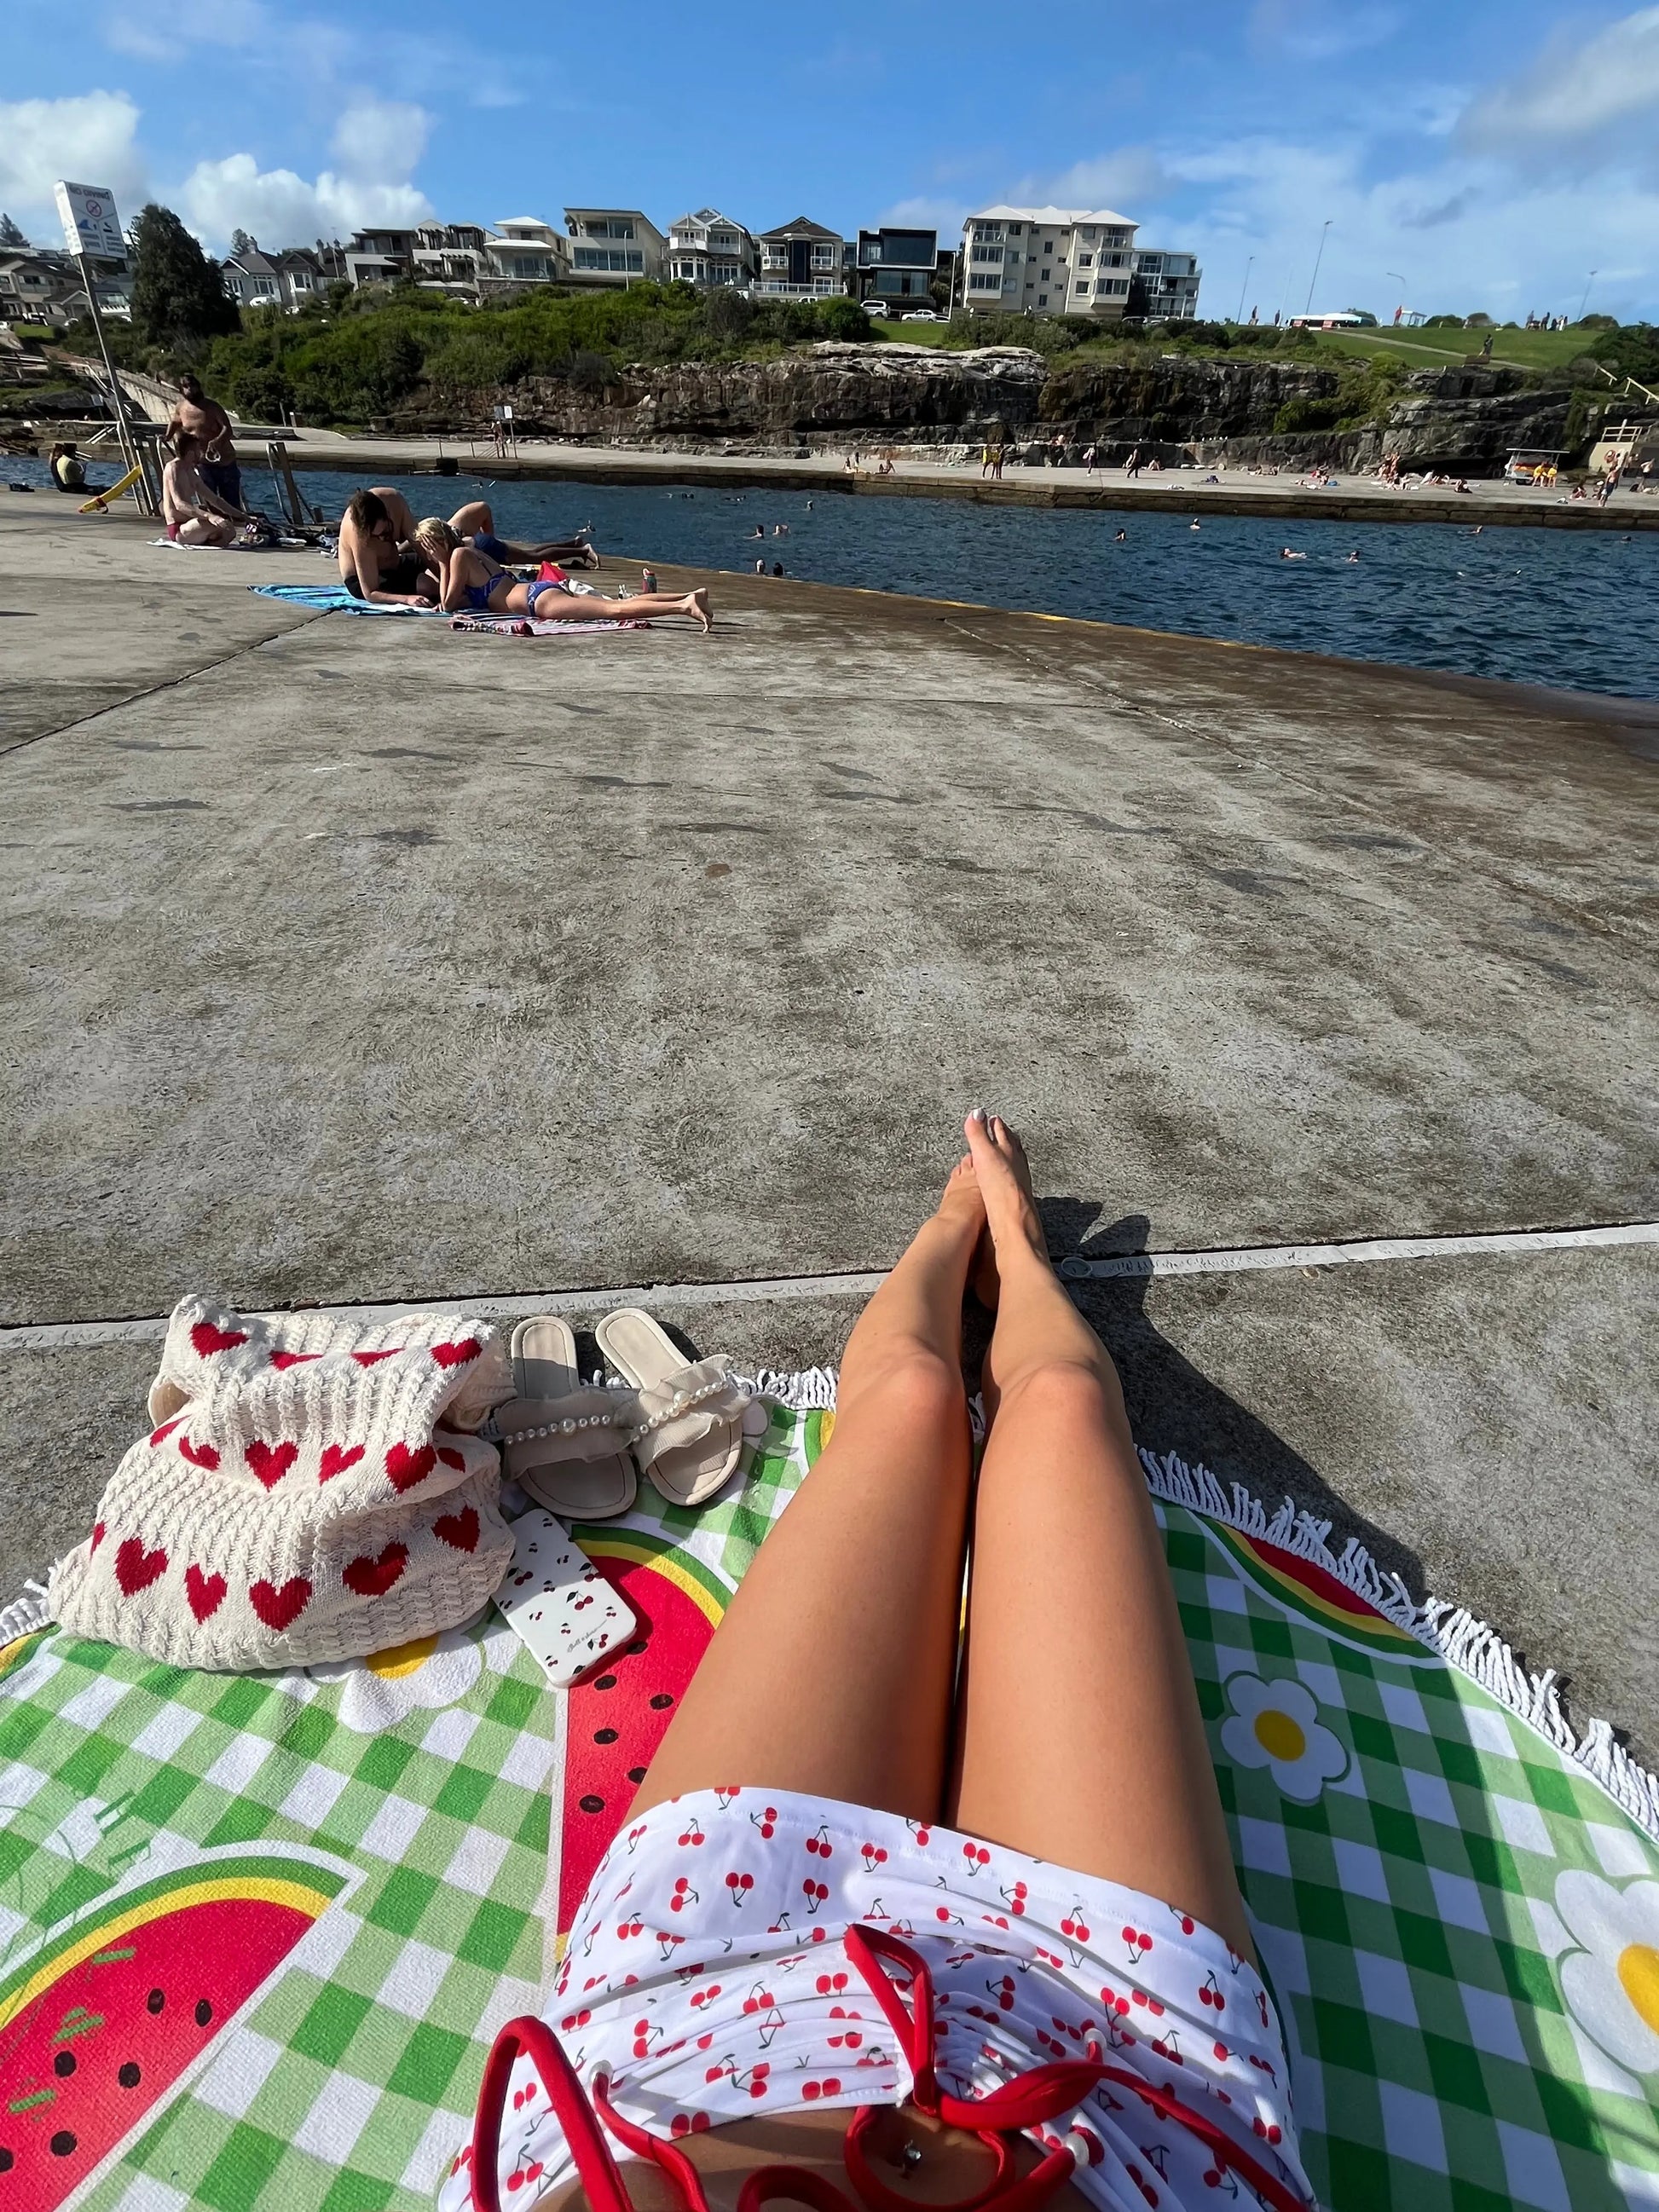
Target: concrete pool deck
(357,961)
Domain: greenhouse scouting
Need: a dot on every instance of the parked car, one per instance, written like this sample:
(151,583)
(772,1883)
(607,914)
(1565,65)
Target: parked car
(875,307)
(919,315)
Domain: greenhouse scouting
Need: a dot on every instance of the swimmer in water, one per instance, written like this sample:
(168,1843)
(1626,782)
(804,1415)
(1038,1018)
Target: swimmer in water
(1352,561)
(1285,554)
(1122,538)
(759,531)
(780,530)
(1194,524)
(760,568)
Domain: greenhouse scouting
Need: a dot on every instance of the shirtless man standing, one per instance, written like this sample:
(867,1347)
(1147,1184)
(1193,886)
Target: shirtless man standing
(206,419)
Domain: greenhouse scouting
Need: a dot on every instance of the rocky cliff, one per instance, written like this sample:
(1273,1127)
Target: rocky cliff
(1463,420)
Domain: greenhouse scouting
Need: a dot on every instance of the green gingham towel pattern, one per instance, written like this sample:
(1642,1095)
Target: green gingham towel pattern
(419,1794)
(1460,1923)
(1460,1920)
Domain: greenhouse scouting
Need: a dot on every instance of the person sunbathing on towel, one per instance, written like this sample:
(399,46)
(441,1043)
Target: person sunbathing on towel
(471,582)
(876,1882)
(194,513)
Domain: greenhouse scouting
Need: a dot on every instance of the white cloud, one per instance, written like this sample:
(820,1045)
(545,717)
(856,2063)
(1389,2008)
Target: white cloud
(280,208)
(378,140)
(165,30)
(944,216)
(1462,237)
(1129,179)
(1593,98)
(90,138)
(1314,31)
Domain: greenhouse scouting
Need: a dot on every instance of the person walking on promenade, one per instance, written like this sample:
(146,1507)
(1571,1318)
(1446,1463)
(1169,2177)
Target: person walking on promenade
(1023,1798)
(1131,466)
(984,462)
(998,456)
(207,420)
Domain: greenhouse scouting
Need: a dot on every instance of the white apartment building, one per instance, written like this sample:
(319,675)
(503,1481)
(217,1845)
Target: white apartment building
(708,248)
(613,246)
(1069,261)
(526,251)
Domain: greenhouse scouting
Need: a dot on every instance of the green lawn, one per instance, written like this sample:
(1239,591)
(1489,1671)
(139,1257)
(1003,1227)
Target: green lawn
(1422,349)
(1418,348)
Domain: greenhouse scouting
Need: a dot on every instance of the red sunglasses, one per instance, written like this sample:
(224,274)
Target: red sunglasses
(1035,2098)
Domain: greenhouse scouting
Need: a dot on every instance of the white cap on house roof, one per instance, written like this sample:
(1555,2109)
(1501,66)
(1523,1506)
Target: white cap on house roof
(1054,217)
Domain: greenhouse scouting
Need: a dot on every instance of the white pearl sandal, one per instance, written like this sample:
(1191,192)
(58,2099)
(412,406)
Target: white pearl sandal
(688,1430)
(564,1442)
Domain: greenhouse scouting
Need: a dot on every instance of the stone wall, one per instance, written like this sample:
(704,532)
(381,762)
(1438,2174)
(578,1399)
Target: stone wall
(1464,421)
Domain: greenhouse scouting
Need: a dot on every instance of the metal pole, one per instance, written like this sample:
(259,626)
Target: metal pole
(130,453)
(1584,302)
(1318,257)
(1244,287)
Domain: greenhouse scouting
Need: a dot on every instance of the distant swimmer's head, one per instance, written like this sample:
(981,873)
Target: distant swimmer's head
(436,538)
(368,513)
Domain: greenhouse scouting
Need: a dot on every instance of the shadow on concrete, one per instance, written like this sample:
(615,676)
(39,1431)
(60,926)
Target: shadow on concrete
(1174,1407)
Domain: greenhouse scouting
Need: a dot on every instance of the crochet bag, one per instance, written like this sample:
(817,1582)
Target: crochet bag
(311,1491)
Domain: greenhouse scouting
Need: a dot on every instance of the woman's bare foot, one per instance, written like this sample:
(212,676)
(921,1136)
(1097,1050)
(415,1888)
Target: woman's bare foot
(697,603)
(962,1203)
(1004,1177)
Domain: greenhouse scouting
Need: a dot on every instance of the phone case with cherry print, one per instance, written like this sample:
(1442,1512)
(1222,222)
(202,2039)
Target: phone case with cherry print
(556,1602)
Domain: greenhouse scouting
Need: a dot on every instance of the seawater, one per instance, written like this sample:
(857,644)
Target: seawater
(1578,611)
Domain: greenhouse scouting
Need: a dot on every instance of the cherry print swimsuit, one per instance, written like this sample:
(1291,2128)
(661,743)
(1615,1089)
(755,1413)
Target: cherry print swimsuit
(742,1950)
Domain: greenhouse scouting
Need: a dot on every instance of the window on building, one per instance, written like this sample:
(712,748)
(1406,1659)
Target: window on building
(979,283)
(1046,276)
(1086,260)
(1043,299)
(1082,283)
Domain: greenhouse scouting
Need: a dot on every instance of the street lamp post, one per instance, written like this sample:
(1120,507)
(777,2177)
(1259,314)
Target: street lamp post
(1318,257)
(1249,265)
(1398,280)
(1584,302)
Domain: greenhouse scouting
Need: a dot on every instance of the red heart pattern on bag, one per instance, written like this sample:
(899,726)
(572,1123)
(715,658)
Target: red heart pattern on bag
(97,1538)
(280,1608)
(206,1593)
(369,1358)
(271,1462)
(159,1435)
(136,1569)
(458,1530)
(457,1460)
(372,1578)
(282,1360)
(456,1355)
(407,1467)
(336,1458)
(203,1455)
(207,1339)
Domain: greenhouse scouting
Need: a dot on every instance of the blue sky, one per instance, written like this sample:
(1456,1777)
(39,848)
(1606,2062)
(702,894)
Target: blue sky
(1467,154)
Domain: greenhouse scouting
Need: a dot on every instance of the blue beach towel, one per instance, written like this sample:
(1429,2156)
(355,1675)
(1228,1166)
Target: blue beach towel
(331,599)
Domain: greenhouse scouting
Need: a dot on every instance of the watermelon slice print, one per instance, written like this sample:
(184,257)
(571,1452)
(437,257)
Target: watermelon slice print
(98,2026)
(619,1716)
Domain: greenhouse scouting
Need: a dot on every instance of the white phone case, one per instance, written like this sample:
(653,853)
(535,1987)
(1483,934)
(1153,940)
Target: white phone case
(556,1602)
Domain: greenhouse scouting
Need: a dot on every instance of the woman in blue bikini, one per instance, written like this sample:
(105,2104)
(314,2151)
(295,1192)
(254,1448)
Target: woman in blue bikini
(471,582)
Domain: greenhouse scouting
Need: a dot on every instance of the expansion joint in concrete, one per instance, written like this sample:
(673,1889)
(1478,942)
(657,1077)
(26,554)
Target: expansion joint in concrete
(1076,1267)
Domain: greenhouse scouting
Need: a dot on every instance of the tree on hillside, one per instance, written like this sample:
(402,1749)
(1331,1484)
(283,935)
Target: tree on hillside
(178,299)
(10,236)
(240,243)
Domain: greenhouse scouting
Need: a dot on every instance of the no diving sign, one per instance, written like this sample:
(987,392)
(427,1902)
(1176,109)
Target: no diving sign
(90,222)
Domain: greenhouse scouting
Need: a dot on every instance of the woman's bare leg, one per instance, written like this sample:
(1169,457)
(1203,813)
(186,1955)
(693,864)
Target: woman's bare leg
(831,1672)
(563,606)
(1080,1738)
